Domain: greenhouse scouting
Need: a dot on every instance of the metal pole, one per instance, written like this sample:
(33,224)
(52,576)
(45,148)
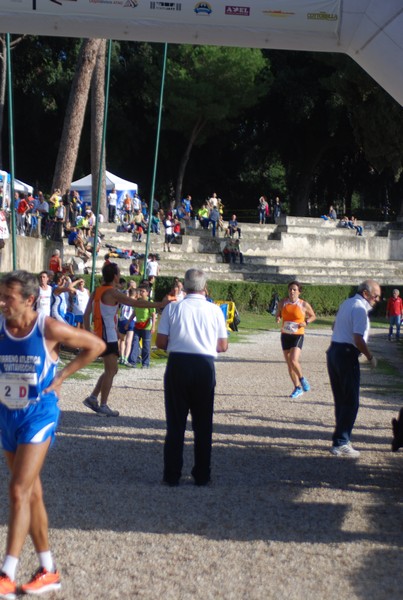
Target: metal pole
(157,143)
(107,83)
(11,152)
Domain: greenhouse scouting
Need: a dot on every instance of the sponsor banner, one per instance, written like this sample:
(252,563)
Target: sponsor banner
(320,16)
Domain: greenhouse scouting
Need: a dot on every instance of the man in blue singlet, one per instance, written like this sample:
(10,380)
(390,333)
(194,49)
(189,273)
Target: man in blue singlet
(29,412)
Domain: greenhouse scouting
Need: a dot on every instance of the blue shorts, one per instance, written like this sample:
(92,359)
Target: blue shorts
(78,318)
(31,425)
(122,326)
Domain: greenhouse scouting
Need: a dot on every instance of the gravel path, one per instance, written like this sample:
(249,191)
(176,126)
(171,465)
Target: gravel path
(283,519)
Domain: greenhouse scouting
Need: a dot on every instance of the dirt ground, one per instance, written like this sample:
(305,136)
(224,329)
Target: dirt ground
(282,519)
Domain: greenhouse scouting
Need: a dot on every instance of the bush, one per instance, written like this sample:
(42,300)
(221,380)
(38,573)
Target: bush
(255,297)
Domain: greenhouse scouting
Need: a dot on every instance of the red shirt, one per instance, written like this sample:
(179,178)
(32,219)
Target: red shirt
(394,307)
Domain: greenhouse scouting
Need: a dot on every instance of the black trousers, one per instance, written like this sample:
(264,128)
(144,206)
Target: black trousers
(344,374)
(189,384)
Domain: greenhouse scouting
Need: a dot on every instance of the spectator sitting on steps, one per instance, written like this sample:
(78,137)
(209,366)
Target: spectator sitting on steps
(232,251)
(233,227)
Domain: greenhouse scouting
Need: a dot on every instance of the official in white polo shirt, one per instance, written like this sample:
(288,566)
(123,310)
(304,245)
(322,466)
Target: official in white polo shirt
(193,331)
(349,340)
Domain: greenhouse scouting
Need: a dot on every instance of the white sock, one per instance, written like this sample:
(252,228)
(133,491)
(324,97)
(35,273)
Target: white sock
(10,566)
(46,560)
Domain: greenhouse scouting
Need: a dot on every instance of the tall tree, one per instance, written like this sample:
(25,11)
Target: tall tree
(206,91)
(75,113)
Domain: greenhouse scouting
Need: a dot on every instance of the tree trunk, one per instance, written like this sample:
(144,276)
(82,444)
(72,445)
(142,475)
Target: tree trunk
(185,158)
(75,113)
(300,200)
(97,116)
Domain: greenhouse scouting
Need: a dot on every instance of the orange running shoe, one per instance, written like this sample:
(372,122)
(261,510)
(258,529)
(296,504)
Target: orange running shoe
(42,581)
(8,588)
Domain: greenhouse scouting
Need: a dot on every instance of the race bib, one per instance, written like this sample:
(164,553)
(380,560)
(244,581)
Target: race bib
(14,389)
(290,327)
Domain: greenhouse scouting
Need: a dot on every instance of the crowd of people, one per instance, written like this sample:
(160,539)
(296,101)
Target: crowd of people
(191,329)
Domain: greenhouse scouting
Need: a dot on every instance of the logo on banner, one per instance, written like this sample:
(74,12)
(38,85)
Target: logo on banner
(322,16)
(203,8)
(130,4)
(242,11)
(278,13)
(165,6)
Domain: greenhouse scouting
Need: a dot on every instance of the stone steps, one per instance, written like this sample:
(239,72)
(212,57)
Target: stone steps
(312,250)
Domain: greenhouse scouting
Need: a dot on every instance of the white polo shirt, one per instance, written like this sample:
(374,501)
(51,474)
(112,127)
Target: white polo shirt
(352,317)
(193,326)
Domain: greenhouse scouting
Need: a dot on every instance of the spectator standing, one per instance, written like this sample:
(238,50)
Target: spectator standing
(193,332)
(112,203)
(187,205)
(214,219)
(349,340)
(22,210)
(54,202)
(169,234)
(43,210)
(55,262)
(126,329)
(262,210)
(66,201)
(155,223)
(153,269)
(134,268)
(277,209)
(44,299)
(394,312)
(143,330)
(213,201)
(79,296)
(136,202)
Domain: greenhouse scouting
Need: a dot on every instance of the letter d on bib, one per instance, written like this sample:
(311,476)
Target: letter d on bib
(23,391)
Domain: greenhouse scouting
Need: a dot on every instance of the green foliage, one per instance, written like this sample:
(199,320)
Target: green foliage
(210,85)
(255,297)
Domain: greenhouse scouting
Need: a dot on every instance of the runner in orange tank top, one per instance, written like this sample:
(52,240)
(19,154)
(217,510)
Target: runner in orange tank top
(296,314)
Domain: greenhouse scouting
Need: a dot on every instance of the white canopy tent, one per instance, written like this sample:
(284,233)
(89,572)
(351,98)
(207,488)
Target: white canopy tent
(369,31)
(19,186)
(122,186)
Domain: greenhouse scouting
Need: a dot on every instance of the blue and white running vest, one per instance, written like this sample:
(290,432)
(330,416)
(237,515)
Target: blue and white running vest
(26,367)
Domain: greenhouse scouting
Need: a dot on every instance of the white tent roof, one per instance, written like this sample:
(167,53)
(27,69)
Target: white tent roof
(19,186)
(85,183)
(370,31)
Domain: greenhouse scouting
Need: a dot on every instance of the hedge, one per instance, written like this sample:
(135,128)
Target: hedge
(255,297)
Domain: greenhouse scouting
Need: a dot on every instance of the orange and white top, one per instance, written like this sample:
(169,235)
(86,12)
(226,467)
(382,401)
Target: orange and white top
(293,315)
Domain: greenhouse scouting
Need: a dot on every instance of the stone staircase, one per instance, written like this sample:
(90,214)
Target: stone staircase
(310,250)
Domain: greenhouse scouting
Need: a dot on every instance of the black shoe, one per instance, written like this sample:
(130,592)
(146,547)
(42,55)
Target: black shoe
(397,426)
(170,482)
(202,482)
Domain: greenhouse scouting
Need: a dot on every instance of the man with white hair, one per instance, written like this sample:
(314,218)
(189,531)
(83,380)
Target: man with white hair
(193,332)
(349,340)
